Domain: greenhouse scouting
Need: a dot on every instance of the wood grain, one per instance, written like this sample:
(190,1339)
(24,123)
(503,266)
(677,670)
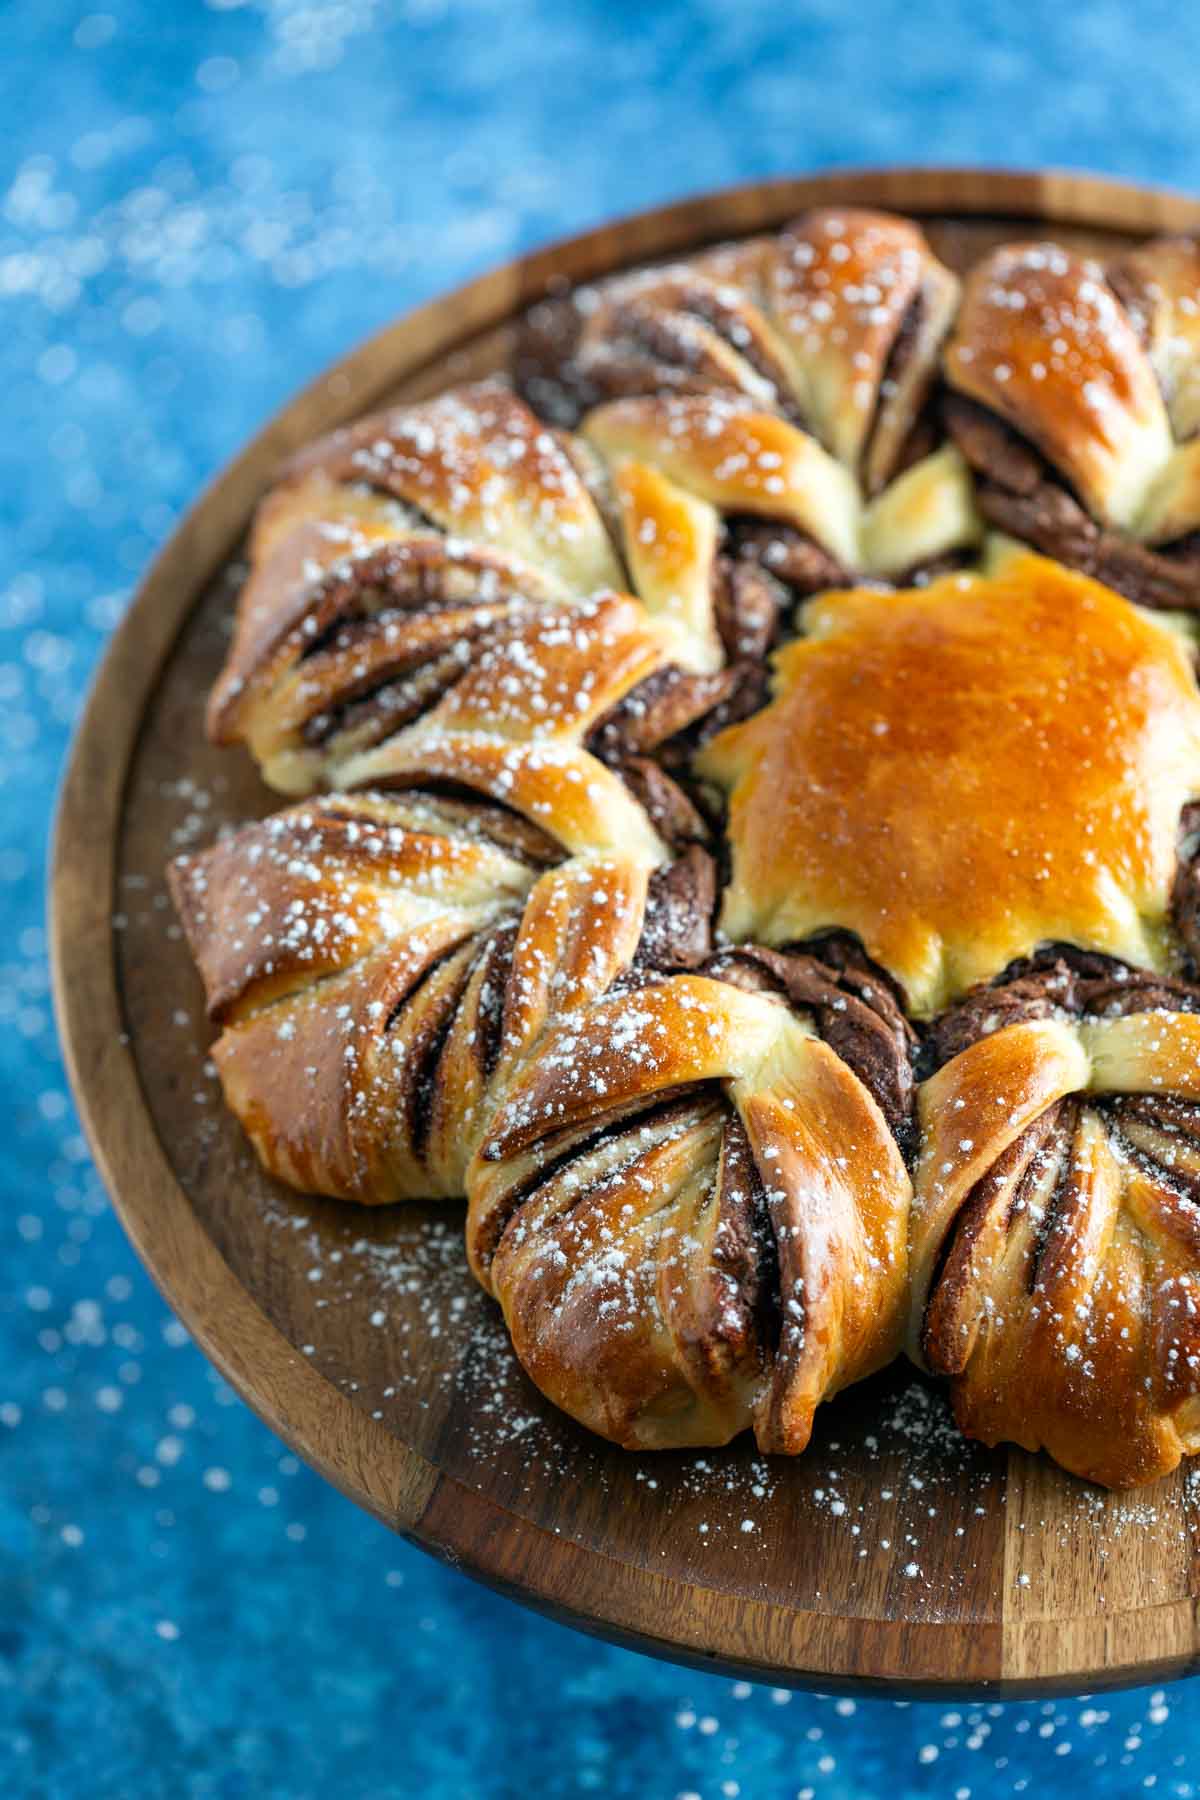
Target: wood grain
(892,1553)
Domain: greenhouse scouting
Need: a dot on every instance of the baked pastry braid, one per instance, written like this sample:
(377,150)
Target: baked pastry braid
(403,907)
(773,395)
(393,958)
(1056,1233)
(351,950)
(773,1006)
(836,323)
(693,1213)
(807,523)
(512,726)
(1073,394)
(381,561)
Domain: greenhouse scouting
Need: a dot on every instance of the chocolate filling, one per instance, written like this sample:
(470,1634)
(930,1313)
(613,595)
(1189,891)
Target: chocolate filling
(1012,1182)
(1038,1175)
(413,575)
(1055,980)
(1185,891)
(744,1245)
(682,336)
(663,332)
(472,813)
(496,958)
(743,1310)
(633,1117)
(675,816)
(651,737)
(919,439)
(852,1005)
(748,604)
(1161,1133)
(1019,493)
(678,926)
(424,1053)
(394,697)
(789,555)
(662,706)
(543,360)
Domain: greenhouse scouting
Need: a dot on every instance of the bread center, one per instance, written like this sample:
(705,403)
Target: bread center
(961,772)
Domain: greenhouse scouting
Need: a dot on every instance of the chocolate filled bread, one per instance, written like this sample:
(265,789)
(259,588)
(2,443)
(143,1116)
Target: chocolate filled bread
(744,779)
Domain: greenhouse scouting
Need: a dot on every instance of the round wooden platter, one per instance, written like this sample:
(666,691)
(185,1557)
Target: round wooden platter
(892,1553)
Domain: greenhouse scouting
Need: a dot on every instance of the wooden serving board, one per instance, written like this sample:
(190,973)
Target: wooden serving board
(892,1552)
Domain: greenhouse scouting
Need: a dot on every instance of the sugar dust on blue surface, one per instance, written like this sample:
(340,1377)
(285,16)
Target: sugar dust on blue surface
(200,205)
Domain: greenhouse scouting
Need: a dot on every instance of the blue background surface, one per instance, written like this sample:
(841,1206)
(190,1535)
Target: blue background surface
(200,205)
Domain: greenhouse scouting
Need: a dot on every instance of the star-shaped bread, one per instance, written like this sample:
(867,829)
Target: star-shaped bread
(962,772)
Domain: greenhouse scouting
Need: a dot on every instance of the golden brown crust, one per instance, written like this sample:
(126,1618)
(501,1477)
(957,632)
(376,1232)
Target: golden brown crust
(785,379)
(1163,280)
(719,448)
(1055,1240)
(1043,341)
(722,451)
(484,468)
(962,772)
(844,284)
(835,323)
(299,896)
(656,1296)
(364,596)
(671,540)
(392,959)
(513,725)
(1099,370)
(386,551)
(780,381)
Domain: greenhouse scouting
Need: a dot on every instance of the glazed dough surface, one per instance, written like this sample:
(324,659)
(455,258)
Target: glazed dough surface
(962,772)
